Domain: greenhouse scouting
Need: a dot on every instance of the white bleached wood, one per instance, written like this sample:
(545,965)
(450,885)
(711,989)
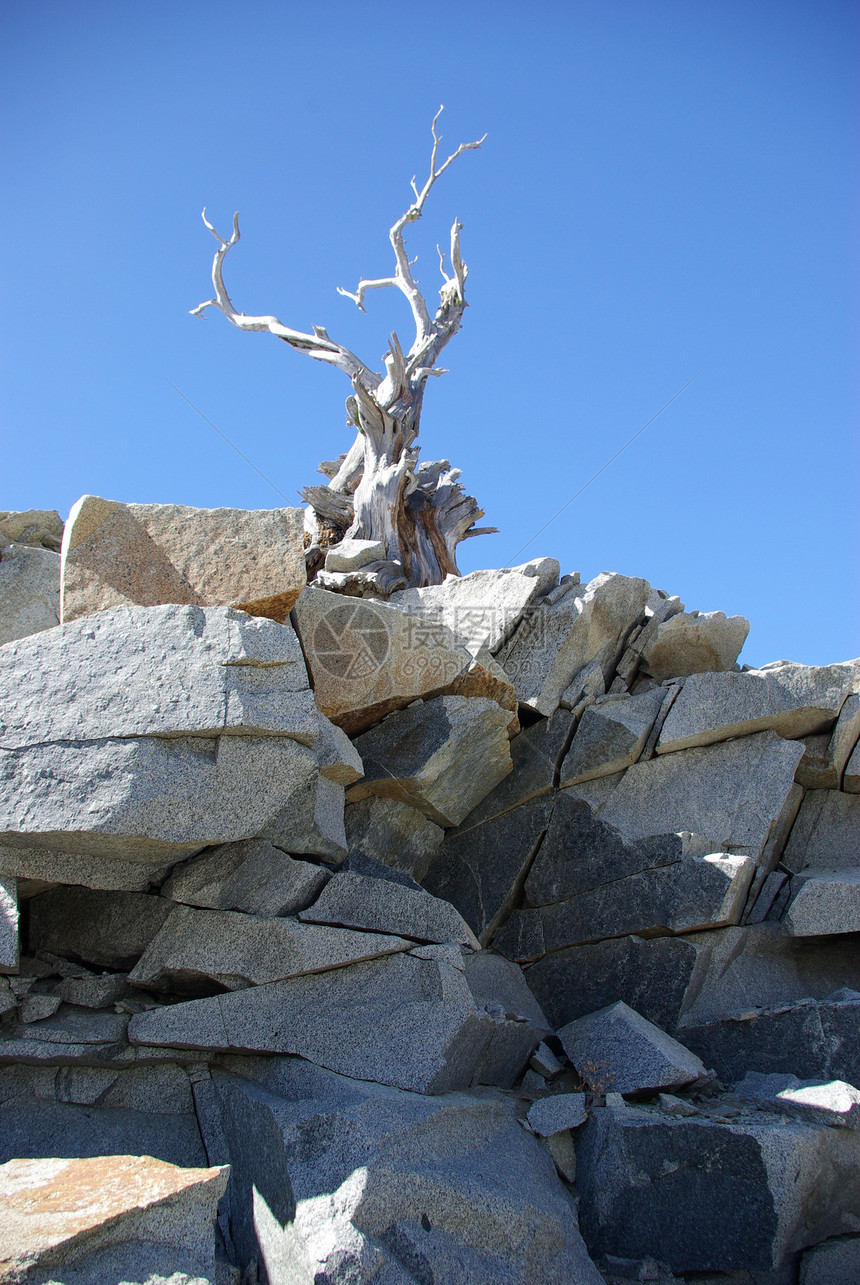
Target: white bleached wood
(378,491)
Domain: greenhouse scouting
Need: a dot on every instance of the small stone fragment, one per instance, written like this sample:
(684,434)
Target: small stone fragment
(616,1049)
(544,1061)
(556,1113)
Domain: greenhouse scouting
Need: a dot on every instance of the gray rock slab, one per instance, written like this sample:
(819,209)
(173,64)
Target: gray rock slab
(441,756)
(161,799)
(554,1114)
(451,1189)
(581,852)
(335,753)
(833,1262)
(195,947)
(536,755)
(110,929)
(694,643)
(400,1020)
(830,1102)
(623,1052)
(392,833)
(826,834)
(484,607)
(480,870)
(253,876)
(824,902)
(146,554)
(156,671)
(367,659)
(610,736)
(555,642)
(691,895)
(36,869)
(851,776)
(792,700)
(94,992)
(29,591)
(380,906)
(9,948)
(812,1039)
(702,1195)
(732,793)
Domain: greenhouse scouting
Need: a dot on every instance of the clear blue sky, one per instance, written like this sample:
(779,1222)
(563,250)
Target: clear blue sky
(666,191)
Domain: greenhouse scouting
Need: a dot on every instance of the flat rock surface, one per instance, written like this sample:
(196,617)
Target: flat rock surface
(253,876)
(8,925)
(690,895)
(29,591)
(237,950)
(160,798)
(146,554)
(819,1101)
(731,793)
(826,834)
(402,1020)
(610,736)
(561,1111)
(53,1211)
(110,929)
(157,671)
(441,756)
(393,833)
(617,1050)
(792,700)
(380,906)
(824,902)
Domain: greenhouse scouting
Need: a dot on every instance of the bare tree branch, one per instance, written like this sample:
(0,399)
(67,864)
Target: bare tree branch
(317,345)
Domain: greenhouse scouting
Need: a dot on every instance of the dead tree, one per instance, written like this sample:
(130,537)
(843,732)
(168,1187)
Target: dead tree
(378,491)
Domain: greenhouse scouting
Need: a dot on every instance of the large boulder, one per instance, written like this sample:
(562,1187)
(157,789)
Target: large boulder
(349,1182)
(253,876)
(118,554)
(692,642)
(619,1050)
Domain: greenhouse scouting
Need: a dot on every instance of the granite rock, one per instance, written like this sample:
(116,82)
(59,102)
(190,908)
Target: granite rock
(402,1020)
(830,1102)
(732,793)
(440,756)
(556,641)
(70,1216)
(147,554)
(484,607)
(792,700)
(826,834)
(824,902)
(519,1025)
(160,799)
(833,1262)
(851,777)
(556,1113)
(479,870)
(253,876)
(40,528)
(351,555)
(380,906)
(195,948)
(536,754)
(367,659)
(690,895)
(610,736)
(705,1195)
(29,591)
(416,1189)
(110,929)
(694,643)
(9,949)
(619,1050)
(826,757)
(393,833)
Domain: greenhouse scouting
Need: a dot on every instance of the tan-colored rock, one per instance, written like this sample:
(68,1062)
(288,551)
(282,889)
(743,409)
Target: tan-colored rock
(59,1213)
(367,659)
(29,591)
(694,642)
(118,554)
(39,527)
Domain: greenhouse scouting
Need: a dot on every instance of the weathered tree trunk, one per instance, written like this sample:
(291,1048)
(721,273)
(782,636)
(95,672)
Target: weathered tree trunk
(378,491)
